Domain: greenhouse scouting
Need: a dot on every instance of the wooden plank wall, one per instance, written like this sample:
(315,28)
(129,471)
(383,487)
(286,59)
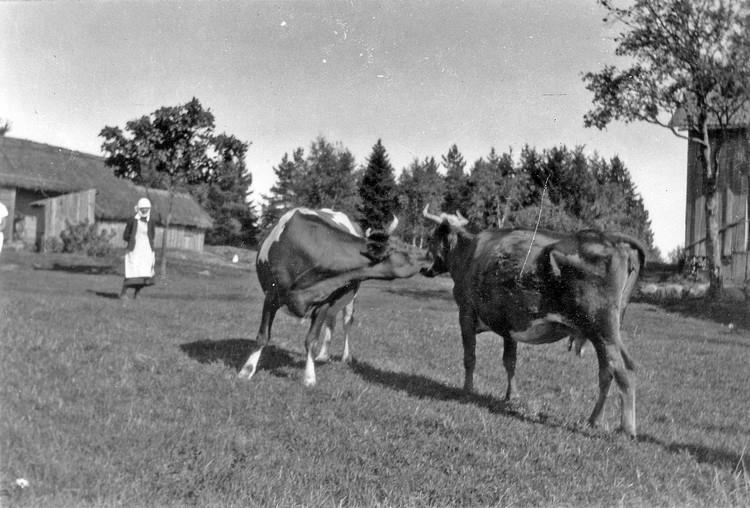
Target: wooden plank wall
(72,208)
(733,204)
(179,237)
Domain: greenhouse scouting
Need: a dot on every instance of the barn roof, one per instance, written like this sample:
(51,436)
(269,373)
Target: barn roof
(40,167)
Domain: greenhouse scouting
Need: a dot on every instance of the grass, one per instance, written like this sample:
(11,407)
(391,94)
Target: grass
(106,403)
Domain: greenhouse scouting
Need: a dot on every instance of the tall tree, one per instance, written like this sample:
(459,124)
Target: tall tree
(377,189)
(688,57)
(285,192)
(420,184)
(329,180)
(172,147)
(495,190)
(227,198)
(455,180)
(4,127)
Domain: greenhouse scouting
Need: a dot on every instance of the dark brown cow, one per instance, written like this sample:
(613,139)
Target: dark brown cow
(539,287)
(312,263)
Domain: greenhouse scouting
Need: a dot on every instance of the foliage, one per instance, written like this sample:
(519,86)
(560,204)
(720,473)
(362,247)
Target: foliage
(329,180)
(455,181)
(690,59)
(53,244)
(325,178)
(570,189)
(579,190)
(141,406)
(5,126)
(420,184)
(494,190)
(378,190)
(175,147)
(227,198)
(285,193)
(84,238)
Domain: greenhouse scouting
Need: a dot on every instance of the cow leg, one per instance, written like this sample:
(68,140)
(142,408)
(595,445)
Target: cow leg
(348,319)
(469,338)
(612,366)
(319,316)
(330,324)
(262,339)
(510,348)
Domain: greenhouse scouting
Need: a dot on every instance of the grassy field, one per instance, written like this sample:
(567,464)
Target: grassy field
(137,403)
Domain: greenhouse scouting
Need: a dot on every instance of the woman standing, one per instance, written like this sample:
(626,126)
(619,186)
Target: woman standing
(139,259)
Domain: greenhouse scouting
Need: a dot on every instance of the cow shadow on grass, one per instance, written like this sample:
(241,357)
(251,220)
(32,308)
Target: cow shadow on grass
(719,458)
(234,353)
(423,387)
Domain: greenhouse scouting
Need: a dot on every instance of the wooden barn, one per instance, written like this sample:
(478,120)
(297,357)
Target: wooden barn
(45,187)
(733,201)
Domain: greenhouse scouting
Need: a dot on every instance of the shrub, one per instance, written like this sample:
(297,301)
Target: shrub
(53,244)
(83,238)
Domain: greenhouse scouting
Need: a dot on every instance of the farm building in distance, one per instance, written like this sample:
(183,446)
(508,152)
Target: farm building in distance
(44,187)
(732,196)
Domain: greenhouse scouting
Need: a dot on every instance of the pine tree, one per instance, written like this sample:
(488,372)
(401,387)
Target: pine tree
(227,200)
(455,181)
(284,194)
(377,190)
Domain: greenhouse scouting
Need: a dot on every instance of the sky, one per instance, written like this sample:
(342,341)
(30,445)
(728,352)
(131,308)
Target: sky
(419,75)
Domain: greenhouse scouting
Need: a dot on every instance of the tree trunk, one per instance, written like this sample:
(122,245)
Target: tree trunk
(710,162)
(167,221)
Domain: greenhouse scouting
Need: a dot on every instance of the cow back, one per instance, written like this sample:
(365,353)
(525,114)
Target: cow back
(307,246)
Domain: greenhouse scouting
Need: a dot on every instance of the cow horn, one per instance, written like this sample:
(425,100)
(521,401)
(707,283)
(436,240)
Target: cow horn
(431,216)
(392,226)
(461,219)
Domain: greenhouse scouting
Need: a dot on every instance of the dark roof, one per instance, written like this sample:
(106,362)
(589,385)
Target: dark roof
(40,167)
(679,119)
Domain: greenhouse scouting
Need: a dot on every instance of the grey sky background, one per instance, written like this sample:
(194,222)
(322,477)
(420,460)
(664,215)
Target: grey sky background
(420,75)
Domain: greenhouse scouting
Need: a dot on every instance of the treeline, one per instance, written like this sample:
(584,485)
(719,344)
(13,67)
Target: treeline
(559,188)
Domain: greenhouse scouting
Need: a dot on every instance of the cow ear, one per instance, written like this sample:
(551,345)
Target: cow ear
(558,260)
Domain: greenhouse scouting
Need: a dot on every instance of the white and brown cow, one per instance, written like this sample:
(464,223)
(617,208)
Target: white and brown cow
(539,287)
(312,263)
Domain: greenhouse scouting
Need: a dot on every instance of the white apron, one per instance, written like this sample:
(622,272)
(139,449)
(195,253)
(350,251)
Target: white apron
(140,261)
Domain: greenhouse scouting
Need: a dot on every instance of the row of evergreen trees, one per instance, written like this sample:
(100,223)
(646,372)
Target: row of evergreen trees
(559,188)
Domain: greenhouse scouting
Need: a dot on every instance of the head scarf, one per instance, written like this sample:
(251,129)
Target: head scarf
(143,203)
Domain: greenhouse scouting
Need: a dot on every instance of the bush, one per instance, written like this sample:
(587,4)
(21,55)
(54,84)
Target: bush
(83,238)
(53,244)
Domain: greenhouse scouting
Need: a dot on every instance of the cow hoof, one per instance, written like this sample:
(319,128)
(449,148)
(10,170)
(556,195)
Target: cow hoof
(348,359)
(323,358)
(308,382)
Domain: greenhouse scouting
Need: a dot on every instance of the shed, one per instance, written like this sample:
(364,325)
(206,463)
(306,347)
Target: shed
(732,195)
(44,186)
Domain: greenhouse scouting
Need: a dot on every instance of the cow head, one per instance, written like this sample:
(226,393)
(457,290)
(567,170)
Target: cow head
(378,246)
(443,240)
